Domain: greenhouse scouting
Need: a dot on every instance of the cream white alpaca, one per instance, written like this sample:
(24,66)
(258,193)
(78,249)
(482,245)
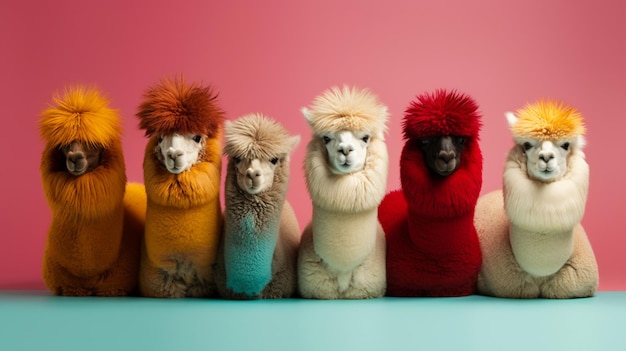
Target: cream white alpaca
(342,251)
(532,242)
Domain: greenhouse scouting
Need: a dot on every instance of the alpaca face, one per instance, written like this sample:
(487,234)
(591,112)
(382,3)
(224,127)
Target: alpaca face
(255,176)
(442,154)
(80,157)
(347,151)
(179,152)
(546,160)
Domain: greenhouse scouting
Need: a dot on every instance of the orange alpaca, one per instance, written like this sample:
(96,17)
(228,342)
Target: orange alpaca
(182,170)
(93,242)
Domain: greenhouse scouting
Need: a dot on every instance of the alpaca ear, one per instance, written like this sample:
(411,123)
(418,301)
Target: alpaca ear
(307,114)
(293,142)
(581,141)
(511,118)
(228,126)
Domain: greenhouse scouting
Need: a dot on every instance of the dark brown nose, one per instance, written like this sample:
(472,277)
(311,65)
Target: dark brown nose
(74,157)
(446,156)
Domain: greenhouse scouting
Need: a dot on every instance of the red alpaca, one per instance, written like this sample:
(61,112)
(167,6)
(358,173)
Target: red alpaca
(432,245)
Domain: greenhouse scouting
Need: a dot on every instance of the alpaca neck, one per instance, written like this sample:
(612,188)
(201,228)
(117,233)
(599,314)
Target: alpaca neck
(441,235)
(343,240)
(543,215)
(250,235)
(541,253)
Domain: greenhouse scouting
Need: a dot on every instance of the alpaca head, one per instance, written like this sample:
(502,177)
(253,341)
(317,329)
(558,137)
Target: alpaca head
(547,133)
(439,126)
(257,146)
(181,116)
(81,127)
(345,121)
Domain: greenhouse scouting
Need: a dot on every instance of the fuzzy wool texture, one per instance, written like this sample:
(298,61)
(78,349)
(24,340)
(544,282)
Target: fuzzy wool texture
(432,245)
(257,136)
(80,113)
(174,106)
(441,113)
(183,226)
(530,233)
(548,120)
(92,246)
(348,108)
(342,250)
(258,253)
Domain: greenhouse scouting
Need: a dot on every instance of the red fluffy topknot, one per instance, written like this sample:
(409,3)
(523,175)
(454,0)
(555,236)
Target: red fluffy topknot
(441,113)
(172,106)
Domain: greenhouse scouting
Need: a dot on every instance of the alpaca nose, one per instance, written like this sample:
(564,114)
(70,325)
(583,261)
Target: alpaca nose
(546,157)
(251,173)
(345,149)
(174,154)
(446,156)
(75,156)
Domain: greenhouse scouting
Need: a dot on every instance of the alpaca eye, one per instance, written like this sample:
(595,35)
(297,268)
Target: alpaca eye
(159,139)
(236,159)
(326,139)
(424,142)
(527,146)
(366,138)
(461,140)
(197,138)
(565,146)
(274,160)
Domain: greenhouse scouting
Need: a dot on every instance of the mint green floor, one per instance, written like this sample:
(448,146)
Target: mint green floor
(34,320)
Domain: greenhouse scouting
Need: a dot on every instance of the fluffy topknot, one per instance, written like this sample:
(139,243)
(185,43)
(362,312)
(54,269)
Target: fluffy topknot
(81,114)
(256,136)
(347,109)
(172,106)
(548,120)
(441,113)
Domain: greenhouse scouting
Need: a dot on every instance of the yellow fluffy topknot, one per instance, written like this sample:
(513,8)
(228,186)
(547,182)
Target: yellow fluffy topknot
(81,114)
(548,120)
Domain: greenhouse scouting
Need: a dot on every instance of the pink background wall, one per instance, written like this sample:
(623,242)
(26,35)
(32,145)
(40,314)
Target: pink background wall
(276,56)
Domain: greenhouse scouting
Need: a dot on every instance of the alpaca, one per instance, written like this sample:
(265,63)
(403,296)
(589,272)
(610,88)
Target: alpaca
(258,253)
(342,250)
(432,245)
(93,241)
(182,166)
(530,233)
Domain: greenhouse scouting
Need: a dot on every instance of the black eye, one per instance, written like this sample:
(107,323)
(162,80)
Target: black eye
(326,139)
(366,138)
(565,146)
(274,160)
(159,139)
(424,142)
(197,138)
(236,159)
(461,140)
(527,146)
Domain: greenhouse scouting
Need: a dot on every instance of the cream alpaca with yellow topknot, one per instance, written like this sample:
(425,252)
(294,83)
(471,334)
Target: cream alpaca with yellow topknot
(530,234)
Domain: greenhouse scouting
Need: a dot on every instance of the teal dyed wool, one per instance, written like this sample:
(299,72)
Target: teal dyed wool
(248,253)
